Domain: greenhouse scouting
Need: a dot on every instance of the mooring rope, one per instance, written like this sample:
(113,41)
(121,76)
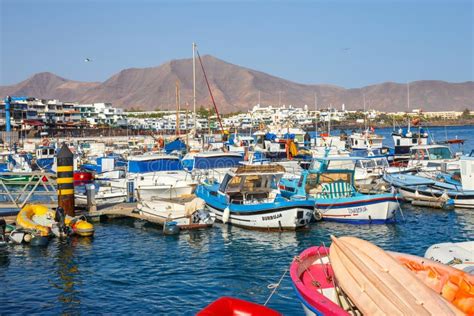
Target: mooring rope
(274,287)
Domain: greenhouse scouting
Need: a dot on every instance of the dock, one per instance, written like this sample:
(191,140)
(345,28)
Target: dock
(128,210)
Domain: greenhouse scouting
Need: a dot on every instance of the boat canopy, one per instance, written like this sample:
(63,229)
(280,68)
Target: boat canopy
(153,163)
(215,160)
(250,182)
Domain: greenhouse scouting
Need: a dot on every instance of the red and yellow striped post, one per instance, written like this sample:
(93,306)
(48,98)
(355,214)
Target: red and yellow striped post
(65,180)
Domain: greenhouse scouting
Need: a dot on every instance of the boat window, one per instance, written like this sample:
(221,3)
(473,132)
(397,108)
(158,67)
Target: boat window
(234,184)
(51,151)
(357,143)
(440,153)
(224,183)
(413,140)
(254,182)
(333,177)
(382,162)
(312,185)
(44,152)
(398,142)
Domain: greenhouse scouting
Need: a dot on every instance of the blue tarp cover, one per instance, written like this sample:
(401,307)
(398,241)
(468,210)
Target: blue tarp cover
(177,144)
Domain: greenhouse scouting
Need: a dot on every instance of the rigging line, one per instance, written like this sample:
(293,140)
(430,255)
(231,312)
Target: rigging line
(210,92)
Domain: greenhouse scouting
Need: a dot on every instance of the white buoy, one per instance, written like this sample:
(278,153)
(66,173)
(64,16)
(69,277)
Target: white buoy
(226,215)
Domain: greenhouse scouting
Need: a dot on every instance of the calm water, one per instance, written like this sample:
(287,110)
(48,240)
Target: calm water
(129,267)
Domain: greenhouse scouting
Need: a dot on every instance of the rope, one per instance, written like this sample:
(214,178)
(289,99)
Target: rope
(274,287)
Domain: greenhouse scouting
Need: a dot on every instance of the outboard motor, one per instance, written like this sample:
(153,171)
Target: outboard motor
(60,219)
(3,226)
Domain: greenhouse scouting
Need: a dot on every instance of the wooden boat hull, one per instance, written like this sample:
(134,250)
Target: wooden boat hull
(378,284)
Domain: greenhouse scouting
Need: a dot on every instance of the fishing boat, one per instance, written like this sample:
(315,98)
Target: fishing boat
(405,139)
(156,176)
(249,197)
(366,140)
(459,255)
(103,195)
(434,193)
(433,158)
(45,156)
(329,184)
(345,279)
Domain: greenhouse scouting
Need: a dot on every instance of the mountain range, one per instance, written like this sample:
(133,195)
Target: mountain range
(237,88)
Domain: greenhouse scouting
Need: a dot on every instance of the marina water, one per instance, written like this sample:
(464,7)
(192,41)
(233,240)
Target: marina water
(131,267)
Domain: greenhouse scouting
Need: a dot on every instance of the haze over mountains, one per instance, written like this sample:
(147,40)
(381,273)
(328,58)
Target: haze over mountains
(237,88)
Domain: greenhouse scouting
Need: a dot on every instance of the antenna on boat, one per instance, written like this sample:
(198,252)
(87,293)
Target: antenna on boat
(194,87)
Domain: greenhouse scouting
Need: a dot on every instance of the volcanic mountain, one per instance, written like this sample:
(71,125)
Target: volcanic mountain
(236,88)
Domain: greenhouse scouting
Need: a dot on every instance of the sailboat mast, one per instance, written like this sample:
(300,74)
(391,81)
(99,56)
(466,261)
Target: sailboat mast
(408,105)
(194,87)
(315,118)
(177,108)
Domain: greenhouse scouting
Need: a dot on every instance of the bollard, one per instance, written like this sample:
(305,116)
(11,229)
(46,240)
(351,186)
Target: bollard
(65,180)
(90,194)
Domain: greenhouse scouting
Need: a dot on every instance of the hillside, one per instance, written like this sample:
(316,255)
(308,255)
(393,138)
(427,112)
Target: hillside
(236,88)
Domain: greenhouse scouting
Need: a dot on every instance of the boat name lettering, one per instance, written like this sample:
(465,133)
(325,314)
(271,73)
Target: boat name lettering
(271,217)
(357,210)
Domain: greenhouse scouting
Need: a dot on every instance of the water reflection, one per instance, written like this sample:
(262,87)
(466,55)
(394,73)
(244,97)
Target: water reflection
(67,275)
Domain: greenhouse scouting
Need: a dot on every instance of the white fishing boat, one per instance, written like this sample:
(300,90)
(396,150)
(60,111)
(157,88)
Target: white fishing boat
(156,175)
(188,215)
(103,195)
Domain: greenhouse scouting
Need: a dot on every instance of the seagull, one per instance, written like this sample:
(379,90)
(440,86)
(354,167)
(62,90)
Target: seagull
(87,60)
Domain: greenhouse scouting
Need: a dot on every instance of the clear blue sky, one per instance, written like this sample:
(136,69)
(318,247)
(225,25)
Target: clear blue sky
(301,41)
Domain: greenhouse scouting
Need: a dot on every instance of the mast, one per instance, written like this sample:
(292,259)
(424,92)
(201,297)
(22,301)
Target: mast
(177,108)
(315,119)
(194,87)
(408,105)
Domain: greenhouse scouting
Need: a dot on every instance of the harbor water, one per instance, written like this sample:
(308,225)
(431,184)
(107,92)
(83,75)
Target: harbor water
(131,267)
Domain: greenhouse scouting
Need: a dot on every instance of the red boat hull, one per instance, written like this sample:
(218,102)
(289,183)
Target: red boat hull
(229,306)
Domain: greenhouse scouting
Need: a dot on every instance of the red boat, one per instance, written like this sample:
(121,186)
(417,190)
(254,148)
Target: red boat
(229,306)
(82,177)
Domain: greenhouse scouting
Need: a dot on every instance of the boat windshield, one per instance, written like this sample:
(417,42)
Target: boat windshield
(440,153)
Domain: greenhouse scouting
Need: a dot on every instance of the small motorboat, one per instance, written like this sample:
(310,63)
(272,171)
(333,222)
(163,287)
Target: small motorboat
(429,192)
(249,197)
(46,222)
(459,255)
(103,195)
(347,279)
(229,306)
(190,215)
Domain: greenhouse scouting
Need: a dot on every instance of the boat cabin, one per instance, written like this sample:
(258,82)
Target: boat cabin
(430,152)
(252,184)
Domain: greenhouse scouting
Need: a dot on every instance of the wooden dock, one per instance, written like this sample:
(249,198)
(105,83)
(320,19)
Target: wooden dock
(127,210)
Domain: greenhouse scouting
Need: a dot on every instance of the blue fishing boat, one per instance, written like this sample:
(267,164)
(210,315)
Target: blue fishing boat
(249,197)
(45,157)
(329,184)
(441,192)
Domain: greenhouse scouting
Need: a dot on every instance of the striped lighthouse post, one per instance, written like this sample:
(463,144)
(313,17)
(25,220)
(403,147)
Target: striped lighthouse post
(65,180)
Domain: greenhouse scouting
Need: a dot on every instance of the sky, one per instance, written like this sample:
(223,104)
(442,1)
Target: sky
(341,42)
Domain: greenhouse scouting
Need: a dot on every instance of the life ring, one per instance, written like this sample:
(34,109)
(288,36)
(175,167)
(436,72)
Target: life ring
(371,141)
(45,142)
